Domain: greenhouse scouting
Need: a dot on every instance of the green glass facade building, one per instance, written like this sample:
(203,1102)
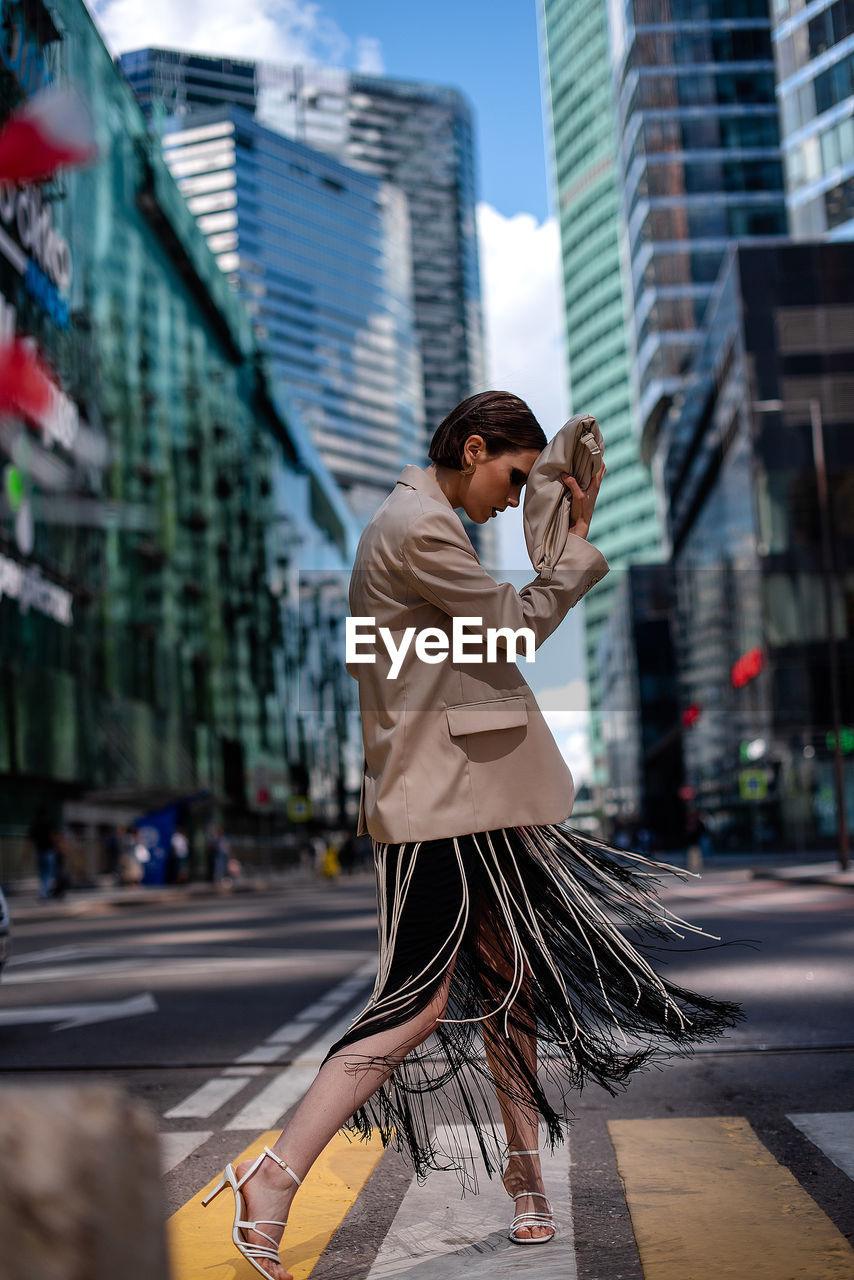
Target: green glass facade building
(579,92)
(153,617)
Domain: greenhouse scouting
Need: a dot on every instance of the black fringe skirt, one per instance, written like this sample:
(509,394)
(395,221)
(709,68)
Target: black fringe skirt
(537,930)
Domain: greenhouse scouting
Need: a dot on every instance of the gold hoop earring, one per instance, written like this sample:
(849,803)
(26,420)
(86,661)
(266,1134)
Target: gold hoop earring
(469,471)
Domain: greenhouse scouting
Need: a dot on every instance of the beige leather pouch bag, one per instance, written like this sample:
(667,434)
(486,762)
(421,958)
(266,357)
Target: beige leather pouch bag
(578,448)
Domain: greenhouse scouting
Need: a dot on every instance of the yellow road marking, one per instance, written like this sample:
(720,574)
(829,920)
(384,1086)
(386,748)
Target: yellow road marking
(200,1246)
(708,1201)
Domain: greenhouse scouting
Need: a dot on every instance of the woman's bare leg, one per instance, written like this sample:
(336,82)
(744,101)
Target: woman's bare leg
(335,1095)
(521,1123)
(523,1173)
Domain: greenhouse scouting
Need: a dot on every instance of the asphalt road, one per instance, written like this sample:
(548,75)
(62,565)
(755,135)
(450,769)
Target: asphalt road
(216,1004)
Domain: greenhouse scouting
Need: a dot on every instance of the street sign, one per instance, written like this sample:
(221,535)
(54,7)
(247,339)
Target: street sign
(298,808)
(753,784)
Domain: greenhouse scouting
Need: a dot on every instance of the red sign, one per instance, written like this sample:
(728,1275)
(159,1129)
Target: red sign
(747,667)
(690,715)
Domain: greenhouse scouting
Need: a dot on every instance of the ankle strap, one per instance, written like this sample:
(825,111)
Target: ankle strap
(522,1153)
(287,1168)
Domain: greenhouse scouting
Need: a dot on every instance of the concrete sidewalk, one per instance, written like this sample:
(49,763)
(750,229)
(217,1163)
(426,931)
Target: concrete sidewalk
(25,907)
(808,873)
(812,867)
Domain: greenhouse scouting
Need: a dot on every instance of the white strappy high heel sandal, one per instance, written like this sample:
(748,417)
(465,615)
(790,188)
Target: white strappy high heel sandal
(252,1252)
(531,1219)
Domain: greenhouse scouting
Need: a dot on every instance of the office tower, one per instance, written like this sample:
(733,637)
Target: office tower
(578,88)
(640,707)
(763,599)
(699,165)
(417,136)
(814,54)
(319,252)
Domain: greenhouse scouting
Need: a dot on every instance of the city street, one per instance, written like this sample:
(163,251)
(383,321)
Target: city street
(216,1011)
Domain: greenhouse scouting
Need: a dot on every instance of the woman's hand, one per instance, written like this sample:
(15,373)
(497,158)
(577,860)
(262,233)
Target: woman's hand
(583,501)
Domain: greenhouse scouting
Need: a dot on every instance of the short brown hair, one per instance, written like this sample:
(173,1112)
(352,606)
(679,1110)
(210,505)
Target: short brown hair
(503,420)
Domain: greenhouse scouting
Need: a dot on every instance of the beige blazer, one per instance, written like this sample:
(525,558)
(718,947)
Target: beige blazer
(453,747)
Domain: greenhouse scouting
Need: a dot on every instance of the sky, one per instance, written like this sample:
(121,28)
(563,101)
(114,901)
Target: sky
(489,50)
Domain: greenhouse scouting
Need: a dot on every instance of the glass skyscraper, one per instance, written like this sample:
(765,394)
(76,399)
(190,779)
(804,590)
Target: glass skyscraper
(586,192)
(699,165)
(152,619)
(319,252)
(759,593)
(415,135)
(814,52)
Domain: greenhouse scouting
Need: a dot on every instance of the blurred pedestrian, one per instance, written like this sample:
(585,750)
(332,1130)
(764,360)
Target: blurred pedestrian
(177,859)
(318,847)
(330,867)
(704,834)
(347,855)
(131,863)
(221,855)
(62,878)
(42,833)
(364,852)
(113,845)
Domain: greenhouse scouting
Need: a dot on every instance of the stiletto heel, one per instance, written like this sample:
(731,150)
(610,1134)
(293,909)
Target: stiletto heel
(531,1219)
(251,1252)
(215,1192)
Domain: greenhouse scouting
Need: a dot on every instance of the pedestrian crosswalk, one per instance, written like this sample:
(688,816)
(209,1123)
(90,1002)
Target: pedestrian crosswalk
(706,1197)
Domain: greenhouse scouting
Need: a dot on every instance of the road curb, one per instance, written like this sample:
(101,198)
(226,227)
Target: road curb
(93,902)
(835,879)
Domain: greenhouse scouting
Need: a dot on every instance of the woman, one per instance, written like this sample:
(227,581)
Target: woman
(495,918)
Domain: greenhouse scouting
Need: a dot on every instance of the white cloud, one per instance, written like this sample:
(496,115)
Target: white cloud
(275,30)
(523,316)
(523,313)
(369,56)
(566,710)
(574,744)
(523,308)
(564,700)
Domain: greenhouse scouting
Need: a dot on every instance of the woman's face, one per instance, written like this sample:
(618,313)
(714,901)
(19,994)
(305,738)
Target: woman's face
(496,483)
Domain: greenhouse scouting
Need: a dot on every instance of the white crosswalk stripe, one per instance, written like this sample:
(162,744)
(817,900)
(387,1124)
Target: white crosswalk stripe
(265,1110)
(439,1233)
(832,1132)
(209,1097)
(175,1147)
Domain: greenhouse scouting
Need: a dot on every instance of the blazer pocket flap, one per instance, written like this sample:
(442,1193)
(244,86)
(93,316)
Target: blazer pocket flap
(480,717)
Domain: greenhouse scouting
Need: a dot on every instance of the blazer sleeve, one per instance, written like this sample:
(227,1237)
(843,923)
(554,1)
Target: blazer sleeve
(444,569)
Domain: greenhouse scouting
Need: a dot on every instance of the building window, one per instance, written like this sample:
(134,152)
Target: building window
(835,84)
(839,204)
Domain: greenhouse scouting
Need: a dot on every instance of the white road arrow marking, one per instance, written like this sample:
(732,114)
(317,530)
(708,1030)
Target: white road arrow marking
(67,1016)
